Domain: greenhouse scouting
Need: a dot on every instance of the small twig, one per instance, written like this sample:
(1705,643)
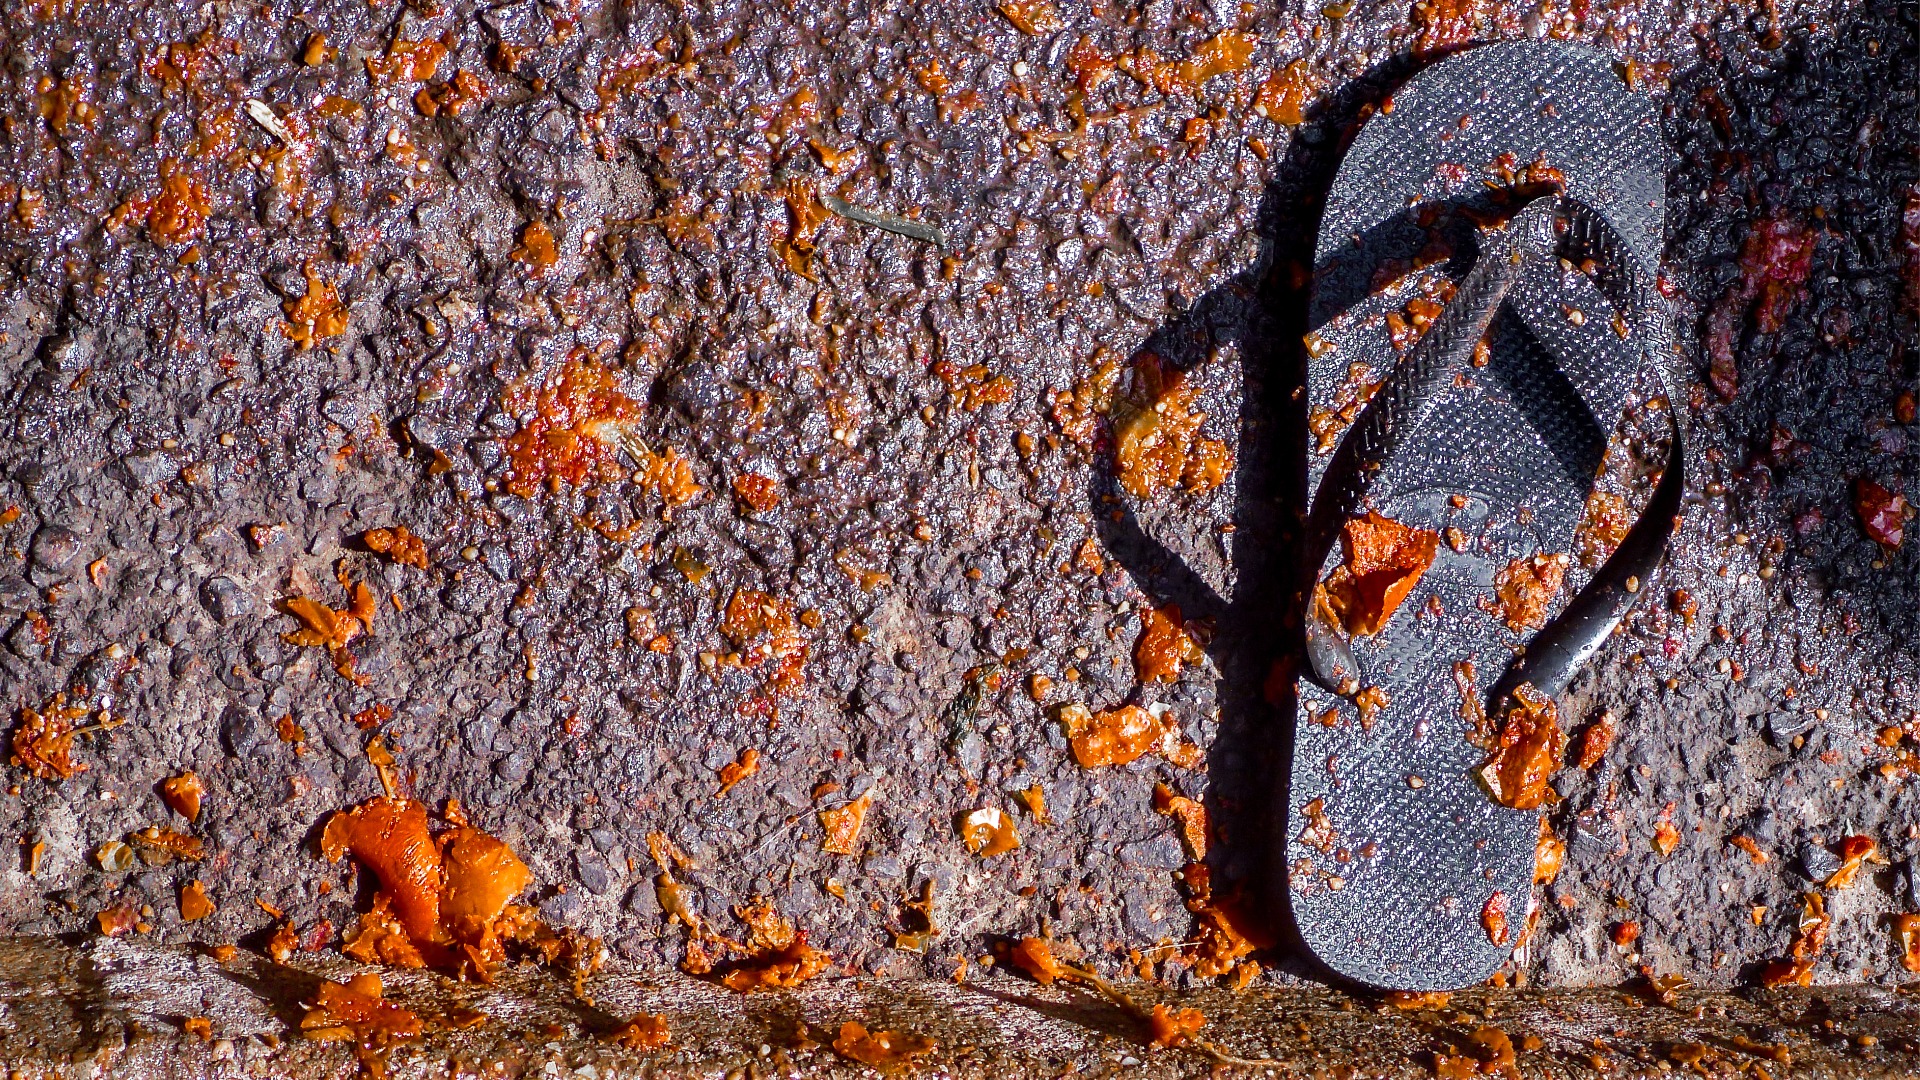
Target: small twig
(890,222)
(108,724)
(262,113)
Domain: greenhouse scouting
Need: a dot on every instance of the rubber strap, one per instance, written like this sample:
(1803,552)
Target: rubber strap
(1557,653)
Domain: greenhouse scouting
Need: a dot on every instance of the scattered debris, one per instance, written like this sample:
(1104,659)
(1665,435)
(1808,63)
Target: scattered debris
(888,1051)
(889,222)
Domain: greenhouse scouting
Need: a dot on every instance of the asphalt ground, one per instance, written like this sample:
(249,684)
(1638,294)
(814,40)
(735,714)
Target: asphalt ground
(558,289)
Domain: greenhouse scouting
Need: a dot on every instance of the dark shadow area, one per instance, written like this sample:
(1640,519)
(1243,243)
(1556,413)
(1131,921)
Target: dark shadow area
(1087,1010)
(1797,168)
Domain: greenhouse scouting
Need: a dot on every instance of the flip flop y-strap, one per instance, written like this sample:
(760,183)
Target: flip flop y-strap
(1599,323)
(1600,356)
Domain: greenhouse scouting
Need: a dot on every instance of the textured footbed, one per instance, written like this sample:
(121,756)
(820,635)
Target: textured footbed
(1390,874)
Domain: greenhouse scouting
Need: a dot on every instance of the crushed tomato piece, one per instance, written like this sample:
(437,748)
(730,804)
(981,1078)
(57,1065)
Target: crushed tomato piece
(1549,855)
(1224,932)
(1225,53)
(843,825)
(988,831)
(398,544)
(1596,740)
(443,900)
(1493,917)
(775,968)
(1283,97)
(1907,929)
(756,493)
(1751,847)
(1031,16)
(43,743)
(405,61)
(536,250)
(1488,1052)
(1775,262)
(1119,736)
(1665,838)
(316,314)
(1157,441)
(645,1031)
(118,920)
(1855,851)
(735,771)
(1808,939)
(194,904)
(160,846)
(1078,411)
(1602,526)
(1523,590)
(888,1051)
(1883,513)
(762,630)
(324,627)
(1409,1000)
(1188,814)
(1175,1028)
(1384,560)
(1035,957)
(354,1010)
(1472,709)
(182,794)
(1164,645)
(571,422)
(1328,422)
(1526,752)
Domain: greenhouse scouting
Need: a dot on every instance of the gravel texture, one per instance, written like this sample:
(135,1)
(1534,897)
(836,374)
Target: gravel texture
(182,467)
(114,1009)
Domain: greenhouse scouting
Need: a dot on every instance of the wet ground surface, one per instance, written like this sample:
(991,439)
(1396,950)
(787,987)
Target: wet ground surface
(117,1008)
(700,466)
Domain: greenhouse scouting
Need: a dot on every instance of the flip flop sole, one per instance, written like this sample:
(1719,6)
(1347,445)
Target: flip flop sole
(1402,871)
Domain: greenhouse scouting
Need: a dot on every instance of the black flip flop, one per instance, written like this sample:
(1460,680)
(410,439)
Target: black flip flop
(1484,307)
